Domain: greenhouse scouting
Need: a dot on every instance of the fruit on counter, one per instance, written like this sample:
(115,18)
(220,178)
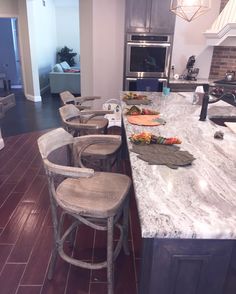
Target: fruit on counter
(149,138)
(166,141)
(147,111)
(140,138)
(134,110)
(131,95)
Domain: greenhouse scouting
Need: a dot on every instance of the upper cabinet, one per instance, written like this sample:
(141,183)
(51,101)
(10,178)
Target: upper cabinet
(149,16)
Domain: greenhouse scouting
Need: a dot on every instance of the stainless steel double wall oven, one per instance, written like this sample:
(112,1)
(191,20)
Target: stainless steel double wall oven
(146,56)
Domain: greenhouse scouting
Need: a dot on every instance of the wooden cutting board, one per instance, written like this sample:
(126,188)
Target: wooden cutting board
(231,126)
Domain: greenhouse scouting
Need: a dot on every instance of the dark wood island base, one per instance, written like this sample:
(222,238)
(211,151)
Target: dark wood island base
(178,266)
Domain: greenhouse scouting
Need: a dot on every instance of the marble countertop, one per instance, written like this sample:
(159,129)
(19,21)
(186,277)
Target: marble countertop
(198,201)
(198,81)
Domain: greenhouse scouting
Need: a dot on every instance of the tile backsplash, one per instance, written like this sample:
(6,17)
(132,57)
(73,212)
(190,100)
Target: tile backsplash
(224,59)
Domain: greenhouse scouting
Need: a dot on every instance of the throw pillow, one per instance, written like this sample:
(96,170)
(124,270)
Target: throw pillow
(64,65)
(71,70)
(57,68)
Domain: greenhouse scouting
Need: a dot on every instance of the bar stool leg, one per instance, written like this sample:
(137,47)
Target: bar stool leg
(110,262)
(52,263)
(126,226)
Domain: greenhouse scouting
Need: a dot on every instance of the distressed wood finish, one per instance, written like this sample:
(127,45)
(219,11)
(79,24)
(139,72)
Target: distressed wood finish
(107,152)
(75,120)
(97,200)
(68,98)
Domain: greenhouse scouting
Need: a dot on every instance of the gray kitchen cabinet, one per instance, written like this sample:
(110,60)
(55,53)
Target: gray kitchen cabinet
(186,266)
(162,20)
(149,16)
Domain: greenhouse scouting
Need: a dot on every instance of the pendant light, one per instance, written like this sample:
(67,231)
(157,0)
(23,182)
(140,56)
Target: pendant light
(190,9)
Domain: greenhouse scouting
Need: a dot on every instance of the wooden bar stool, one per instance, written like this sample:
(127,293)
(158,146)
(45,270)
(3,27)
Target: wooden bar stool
(68,98)
(97,199)
(105,155)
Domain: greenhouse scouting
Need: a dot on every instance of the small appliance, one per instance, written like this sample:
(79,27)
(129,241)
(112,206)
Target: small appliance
(230,76)
(192,72)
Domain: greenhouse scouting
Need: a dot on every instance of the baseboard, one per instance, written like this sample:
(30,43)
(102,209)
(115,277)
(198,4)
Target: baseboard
(33,98)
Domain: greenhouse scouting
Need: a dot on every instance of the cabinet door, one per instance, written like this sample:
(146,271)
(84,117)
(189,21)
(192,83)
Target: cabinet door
(162,19)
(185,266)
(138,15)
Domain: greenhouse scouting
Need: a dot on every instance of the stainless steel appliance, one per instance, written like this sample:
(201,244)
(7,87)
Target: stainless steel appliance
(146,56)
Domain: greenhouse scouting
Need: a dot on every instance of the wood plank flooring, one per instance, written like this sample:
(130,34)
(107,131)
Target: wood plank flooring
(26,232)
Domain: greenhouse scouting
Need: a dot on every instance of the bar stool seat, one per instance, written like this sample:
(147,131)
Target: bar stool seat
(107,190)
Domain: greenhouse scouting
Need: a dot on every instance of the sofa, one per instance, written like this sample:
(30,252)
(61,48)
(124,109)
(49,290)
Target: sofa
(64,78)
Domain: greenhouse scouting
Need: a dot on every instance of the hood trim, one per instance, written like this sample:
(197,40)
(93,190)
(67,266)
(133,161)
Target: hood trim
(223,30)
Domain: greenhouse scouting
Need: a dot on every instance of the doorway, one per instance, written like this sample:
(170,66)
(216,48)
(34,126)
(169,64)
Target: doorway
(10,65)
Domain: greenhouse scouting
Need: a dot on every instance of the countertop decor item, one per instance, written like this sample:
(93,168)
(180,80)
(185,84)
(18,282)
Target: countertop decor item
(137,101)
(146,120)
(134,110)
(170,156)
(149,138)
(133,99)
(219,135)
(190,9)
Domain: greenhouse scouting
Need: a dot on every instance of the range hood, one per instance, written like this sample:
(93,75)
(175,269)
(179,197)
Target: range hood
(223,30)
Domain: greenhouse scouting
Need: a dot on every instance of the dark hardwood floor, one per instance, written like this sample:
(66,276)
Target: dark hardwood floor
(25,220)
(28,116)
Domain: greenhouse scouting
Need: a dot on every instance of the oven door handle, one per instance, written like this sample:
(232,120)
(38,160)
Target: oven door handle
(149,44)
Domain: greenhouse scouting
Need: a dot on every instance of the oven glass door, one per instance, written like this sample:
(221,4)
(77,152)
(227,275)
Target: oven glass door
(147,60)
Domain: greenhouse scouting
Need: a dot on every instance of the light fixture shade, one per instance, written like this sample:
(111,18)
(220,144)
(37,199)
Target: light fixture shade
(190,9)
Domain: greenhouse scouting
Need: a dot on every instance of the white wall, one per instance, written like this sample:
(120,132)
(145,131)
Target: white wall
(106,58)
(67,26)
(45,39)
(86,46)
(8,8)
(189,40)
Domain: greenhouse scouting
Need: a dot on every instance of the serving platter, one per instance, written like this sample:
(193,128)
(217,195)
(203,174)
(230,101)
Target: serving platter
(146,120)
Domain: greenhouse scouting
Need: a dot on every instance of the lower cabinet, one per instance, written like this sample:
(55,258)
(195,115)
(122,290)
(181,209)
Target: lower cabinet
(173,266)
(183,87)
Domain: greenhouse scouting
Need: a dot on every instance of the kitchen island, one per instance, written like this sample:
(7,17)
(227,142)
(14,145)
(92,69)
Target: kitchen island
(188,215)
